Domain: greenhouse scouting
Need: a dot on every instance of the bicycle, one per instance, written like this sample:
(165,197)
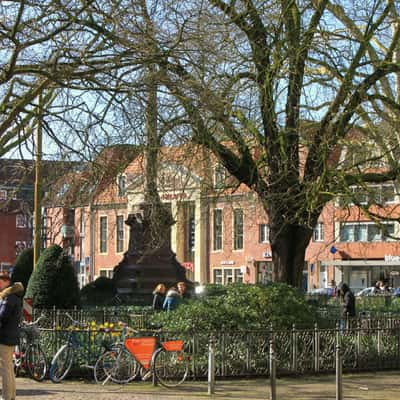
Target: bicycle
(127,366)
(167,361)
(28,354)
(63,359)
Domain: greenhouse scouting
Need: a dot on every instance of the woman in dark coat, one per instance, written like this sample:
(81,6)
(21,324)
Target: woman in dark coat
(159,297)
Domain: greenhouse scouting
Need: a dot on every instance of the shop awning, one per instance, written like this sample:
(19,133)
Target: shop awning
(350,263)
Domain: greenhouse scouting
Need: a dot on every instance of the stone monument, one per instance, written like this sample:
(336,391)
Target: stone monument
(149,259)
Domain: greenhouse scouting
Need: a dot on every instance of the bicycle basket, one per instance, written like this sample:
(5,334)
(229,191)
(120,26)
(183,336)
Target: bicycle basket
(32,332)
(173,345)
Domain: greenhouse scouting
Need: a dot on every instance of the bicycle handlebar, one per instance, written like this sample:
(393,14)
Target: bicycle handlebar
(36,322)
(75,322)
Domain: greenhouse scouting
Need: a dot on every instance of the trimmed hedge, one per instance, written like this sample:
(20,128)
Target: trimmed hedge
(100,292)
(242,307)
(54,283)
(23,267)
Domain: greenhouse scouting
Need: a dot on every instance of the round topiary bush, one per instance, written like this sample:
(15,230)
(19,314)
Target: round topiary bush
(23,267)
(54,281)
(99,292)
(242,307)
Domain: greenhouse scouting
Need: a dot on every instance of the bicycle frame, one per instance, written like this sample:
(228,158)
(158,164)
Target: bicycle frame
(144,348)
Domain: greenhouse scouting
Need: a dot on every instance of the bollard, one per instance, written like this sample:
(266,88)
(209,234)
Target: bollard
(211,367)
(339,383)
(272,370)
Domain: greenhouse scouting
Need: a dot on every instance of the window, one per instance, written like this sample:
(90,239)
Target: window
(121,182)
(238,275)
(3,195)
(367,232)
(217,230)
(120,233)
(388,232)
(228,276)
(318,234)
(373,194)
(21,221)
(192,230)
(103,234)
(238,229)
(388,194)
(82,223)
(217,276)
(108,273)
(219,176)
(263,233)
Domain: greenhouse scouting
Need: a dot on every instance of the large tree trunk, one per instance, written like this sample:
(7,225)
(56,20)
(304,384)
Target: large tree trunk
(289,246)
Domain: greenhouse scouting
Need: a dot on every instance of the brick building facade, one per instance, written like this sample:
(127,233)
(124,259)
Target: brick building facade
(221,232)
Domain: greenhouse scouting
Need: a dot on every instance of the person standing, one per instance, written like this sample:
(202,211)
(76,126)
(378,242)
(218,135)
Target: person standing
(348,303)
(159,297)
(10,316)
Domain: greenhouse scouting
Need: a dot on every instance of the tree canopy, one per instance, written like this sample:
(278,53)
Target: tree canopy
(282,92)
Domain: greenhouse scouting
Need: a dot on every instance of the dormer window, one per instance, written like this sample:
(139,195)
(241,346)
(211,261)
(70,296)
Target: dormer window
(219,176)
(121,183)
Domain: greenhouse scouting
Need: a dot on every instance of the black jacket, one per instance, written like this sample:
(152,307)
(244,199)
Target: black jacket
(10,317)
(349,305)
(158,301)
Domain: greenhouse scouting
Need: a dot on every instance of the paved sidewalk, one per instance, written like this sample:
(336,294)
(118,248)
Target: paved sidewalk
(379,386)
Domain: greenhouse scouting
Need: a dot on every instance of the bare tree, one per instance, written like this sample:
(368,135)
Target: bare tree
(314,79)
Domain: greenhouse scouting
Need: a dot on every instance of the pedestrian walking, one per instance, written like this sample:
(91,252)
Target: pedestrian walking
(10,316)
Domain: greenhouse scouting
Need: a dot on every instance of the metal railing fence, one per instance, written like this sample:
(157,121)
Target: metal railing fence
(247,353)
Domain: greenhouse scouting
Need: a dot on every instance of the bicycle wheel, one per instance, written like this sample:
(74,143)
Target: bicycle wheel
(19,353)
(35,362)
(61,363)
(170,367)
(117,365)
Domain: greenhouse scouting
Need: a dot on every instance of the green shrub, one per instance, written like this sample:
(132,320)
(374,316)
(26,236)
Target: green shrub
(99,292)
(23,267)
(54,282)
(242,307)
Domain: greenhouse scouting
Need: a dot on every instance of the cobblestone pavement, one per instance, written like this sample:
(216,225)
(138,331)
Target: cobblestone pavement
(378,386)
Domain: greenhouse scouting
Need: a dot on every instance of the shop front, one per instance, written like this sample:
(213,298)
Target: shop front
(359,274)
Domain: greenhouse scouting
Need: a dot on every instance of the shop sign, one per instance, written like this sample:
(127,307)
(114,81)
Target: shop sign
(243,269)
(267,254)
(390,258)
(227,262)
(173,196)
(394,273)
(188,265)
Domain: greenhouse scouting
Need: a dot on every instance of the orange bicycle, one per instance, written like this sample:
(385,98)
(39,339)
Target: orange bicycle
(147,356)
